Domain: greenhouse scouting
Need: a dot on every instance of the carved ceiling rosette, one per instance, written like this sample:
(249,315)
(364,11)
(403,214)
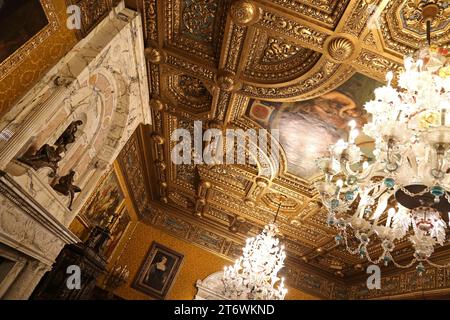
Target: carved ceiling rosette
(402,27)
(186,92)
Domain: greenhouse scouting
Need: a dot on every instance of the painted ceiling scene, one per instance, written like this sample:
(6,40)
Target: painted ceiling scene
(302,71)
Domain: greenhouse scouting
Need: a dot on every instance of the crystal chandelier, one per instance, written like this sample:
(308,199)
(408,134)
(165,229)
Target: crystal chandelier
(402,191)
(254,276)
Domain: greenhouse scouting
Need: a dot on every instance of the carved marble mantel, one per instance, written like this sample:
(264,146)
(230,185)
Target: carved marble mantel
(101,81)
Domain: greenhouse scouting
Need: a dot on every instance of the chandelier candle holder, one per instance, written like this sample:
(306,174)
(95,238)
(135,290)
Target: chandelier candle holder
(254,276)
(402,192)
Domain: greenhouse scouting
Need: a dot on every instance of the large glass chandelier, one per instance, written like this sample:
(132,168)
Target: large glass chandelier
(254,276)
(402,191)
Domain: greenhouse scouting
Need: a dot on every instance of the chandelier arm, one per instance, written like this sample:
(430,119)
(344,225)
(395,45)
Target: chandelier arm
(347,246)
(366,254)
(409,265)
(370,172)
(436,265)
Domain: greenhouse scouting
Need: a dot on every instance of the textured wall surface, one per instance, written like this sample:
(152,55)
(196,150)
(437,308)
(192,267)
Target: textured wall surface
(38,60)
(197,264)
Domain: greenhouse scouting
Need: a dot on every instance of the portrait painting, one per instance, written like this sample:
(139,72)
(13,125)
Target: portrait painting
(307,128)
(158,271)
(105,201)
(20,20)
(118,229)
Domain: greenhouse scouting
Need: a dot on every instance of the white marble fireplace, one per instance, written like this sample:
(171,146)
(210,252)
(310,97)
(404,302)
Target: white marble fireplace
(103,83)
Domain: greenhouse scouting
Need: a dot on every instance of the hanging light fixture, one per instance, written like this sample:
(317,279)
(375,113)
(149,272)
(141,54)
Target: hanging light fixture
(403,191)
(254,276)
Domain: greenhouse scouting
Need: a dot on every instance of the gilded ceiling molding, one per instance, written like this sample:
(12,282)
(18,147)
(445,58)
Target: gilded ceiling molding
(325,13)
(158,146)
(150,21)
(201,200)
(376,64)
(303,33)
(194,27)
(189,66)
(325,74)
(359,13)
(402,28)
(185,92)
(157,105)
(221,102)
(274,60)
(232,49)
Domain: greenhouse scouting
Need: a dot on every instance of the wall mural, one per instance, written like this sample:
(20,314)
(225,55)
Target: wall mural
(20,20)
(158,271)
(307,128)
(105,202)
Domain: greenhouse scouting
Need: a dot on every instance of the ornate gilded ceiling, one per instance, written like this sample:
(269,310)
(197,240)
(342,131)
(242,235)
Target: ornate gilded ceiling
(216,61)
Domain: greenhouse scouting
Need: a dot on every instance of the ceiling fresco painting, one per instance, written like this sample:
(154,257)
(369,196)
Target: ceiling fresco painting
(308,128)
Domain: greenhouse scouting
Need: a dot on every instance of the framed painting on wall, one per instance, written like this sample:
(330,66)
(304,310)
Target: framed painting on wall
(106,201)
(158,271)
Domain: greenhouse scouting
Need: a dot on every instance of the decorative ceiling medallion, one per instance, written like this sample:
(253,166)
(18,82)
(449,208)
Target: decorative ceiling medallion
(188,92)
(341,48)
(401,27)
(245,12)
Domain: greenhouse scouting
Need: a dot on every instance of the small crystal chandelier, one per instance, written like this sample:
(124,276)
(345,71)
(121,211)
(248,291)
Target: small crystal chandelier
(402,191)
(254,276)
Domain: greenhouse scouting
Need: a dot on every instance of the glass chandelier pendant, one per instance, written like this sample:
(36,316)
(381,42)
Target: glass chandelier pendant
(402,192)
(254,276)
